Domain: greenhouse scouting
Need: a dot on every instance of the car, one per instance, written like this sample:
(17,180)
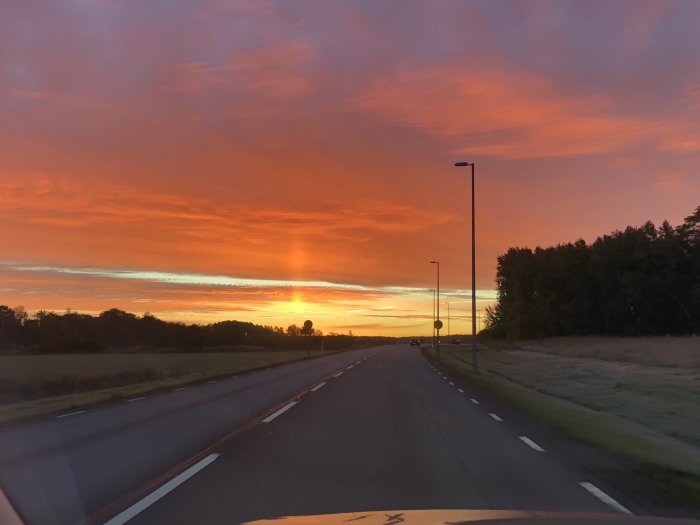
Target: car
(456,341)
(414,342)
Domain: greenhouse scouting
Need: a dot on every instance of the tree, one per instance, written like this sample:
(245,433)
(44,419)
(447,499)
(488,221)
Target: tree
(640,281)
(308,328)
(293,329)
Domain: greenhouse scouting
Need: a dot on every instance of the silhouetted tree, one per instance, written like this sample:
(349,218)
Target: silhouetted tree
(639,281)
(308,328)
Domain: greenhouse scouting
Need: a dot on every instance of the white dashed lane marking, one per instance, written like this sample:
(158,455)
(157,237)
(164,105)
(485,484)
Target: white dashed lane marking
(154,496)
(602,496)
(320,385)
(178,389)
(531,443)
(460,391)
(136,399)
(71,414)
(494,416)
(338,374)
(279,412)
(475,401)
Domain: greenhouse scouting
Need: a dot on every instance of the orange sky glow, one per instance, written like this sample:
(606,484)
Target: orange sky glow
(280,161)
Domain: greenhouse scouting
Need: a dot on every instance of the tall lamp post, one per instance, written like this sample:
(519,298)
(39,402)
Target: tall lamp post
(433,321)
(437,323)
(474,367)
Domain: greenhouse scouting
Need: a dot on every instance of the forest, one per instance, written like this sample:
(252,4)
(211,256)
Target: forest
(117,330)
(641,281)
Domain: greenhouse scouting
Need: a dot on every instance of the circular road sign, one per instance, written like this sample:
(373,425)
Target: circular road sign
(438,324)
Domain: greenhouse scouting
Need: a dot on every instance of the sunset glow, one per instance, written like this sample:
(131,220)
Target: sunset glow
(280,161)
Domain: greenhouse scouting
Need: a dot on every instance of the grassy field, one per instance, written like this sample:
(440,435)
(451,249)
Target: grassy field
(661,398)
(35,384)
(680,352)
(636,397)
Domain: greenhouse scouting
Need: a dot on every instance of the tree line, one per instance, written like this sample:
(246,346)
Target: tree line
(72,332)
(641,281)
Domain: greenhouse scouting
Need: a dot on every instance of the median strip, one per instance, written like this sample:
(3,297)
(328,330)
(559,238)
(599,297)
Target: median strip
(154,496)
(602,496)
(279,412)
(531,443)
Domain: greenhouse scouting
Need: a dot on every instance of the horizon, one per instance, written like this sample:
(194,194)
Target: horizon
(265,162)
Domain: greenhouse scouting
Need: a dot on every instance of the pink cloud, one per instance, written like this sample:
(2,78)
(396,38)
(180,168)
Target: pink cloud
(275,72)
(509,114)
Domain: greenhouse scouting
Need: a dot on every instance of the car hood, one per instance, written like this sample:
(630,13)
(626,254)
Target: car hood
(454,517)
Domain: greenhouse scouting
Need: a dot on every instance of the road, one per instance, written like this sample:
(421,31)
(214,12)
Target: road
(370,429)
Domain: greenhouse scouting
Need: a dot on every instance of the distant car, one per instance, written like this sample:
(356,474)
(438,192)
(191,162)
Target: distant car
(414,342)
(456,341)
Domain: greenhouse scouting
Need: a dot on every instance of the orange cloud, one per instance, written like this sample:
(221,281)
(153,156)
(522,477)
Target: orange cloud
(102,224)
(504,114)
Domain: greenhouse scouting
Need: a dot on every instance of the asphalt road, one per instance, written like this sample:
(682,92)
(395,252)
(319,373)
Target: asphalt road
(365,430)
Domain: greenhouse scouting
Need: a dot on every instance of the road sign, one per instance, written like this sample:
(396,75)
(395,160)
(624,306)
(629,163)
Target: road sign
(438,324)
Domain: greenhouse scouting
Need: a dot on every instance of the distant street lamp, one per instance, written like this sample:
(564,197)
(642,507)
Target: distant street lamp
(437,323)
(474,367)
(448,320)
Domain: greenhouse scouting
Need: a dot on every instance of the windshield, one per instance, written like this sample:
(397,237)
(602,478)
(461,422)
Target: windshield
(264,258)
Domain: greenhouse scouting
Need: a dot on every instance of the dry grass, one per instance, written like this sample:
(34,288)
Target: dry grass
(681,352)
(671,461)
(652,381)
(37,384)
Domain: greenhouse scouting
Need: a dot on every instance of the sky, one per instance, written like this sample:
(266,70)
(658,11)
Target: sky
(280,161)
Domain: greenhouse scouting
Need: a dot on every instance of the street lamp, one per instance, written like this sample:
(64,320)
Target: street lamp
(433,320)
(474,367)
(438,323)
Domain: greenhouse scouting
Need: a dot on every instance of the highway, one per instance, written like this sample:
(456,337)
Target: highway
(371,429)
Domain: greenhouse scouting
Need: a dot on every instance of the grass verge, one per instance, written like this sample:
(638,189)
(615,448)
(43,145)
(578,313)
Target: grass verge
(667,460)
(42,384)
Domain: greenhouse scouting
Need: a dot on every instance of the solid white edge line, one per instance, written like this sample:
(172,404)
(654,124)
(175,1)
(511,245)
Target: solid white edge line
(71,414)
(495,416)
(531,443)
(161,491)
(317,387)
(602,496)
(460,391)
(279,412)
(135,399)
(338,374)
(476,402)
